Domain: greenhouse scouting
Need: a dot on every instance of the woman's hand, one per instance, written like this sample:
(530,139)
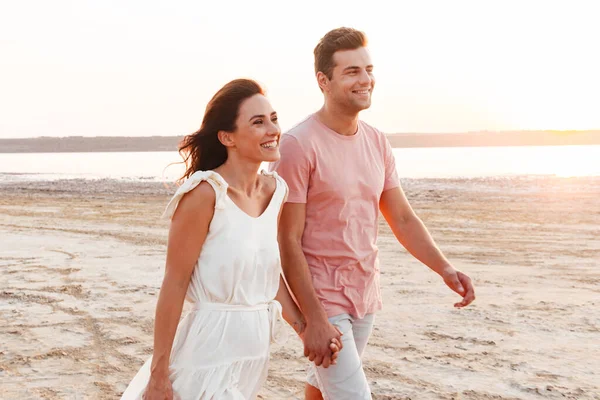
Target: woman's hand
(158,389)
(335,347)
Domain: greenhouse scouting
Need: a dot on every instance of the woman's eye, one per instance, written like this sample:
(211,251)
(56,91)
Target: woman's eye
(274,119)
(258,121)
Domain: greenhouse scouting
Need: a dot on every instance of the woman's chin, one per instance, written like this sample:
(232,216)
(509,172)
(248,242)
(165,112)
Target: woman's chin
(273,156)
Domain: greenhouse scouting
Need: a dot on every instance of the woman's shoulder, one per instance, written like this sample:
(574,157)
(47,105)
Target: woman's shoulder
(275,182)
(273,178)
(202,194)
(201,189)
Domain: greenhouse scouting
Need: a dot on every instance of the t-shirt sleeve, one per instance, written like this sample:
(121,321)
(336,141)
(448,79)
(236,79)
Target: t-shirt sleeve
(391,174)
(294,168)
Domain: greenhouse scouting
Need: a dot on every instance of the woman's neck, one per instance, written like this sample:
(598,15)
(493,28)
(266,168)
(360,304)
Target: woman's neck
(240,175)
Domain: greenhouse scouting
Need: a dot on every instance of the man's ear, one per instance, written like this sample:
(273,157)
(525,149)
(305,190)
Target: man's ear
(323,81)
(226,138)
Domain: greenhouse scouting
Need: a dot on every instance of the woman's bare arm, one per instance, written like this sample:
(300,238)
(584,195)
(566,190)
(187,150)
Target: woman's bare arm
(187,234)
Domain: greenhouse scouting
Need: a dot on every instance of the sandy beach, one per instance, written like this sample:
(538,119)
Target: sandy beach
(81,263)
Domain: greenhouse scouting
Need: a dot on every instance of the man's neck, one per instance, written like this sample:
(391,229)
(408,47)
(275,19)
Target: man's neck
(342,123)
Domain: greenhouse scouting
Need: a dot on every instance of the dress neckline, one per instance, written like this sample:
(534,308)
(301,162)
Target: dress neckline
(263,172)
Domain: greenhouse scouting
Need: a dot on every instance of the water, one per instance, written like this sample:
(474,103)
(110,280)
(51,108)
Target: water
(563,161)
(151,166)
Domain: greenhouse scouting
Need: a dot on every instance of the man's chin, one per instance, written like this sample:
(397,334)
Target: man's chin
(355,106)
(362,106)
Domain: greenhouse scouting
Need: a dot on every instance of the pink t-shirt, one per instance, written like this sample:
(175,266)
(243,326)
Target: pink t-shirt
(340,178)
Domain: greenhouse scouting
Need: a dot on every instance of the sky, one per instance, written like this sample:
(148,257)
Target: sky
(142,68)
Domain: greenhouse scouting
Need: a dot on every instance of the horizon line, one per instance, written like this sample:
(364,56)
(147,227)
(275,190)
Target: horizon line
(387,134)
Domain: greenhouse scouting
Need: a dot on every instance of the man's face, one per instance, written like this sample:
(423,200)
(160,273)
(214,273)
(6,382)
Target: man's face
(352,80)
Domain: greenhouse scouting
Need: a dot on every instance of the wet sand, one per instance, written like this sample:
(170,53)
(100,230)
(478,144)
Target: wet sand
(81,263)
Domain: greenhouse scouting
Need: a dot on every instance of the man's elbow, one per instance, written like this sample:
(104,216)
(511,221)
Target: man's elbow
(289,240)
(404,223)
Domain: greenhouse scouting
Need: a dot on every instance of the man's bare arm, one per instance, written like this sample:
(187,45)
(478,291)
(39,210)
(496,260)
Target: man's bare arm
(319,331)
(414,236)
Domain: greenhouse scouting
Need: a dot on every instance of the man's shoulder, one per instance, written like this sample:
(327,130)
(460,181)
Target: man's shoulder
(303,130)
(370,130)
(374,137)
(295,143)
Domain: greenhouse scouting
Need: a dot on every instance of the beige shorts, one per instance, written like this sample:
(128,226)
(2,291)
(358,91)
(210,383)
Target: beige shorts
(346,379)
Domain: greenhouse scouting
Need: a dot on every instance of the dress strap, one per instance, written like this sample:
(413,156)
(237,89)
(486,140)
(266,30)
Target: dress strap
(214,179)
(280,183)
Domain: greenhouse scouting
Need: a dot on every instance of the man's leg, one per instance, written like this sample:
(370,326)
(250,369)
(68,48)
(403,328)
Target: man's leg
(362,329)
(312,393)
(346,379)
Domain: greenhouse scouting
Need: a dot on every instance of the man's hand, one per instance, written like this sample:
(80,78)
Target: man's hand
(461,284)
(319,338)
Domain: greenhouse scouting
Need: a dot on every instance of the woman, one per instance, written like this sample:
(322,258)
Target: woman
(223,254)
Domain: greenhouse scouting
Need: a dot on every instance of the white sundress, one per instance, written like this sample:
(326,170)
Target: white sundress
(221,348)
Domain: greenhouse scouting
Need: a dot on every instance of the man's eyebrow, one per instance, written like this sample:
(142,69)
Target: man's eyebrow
(355,67)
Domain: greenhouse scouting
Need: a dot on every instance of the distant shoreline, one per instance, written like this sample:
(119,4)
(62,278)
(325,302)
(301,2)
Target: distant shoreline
(80,144)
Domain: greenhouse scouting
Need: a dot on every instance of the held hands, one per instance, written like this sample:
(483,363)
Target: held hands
(335,346)
(461,284)
(322,341)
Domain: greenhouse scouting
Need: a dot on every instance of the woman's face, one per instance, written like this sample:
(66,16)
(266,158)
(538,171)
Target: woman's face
(257,135)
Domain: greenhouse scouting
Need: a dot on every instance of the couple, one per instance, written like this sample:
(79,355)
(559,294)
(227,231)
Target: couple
(235,234)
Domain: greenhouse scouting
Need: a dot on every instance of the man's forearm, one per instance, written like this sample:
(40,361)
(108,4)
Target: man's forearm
(297,274)
(417,240)
(291,313)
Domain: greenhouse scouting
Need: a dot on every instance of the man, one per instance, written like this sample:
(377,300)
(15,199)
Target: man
(341,172)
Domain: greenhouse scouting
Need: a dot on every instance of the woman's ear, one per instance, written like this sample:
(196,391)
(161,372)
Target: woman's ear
(226,138)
